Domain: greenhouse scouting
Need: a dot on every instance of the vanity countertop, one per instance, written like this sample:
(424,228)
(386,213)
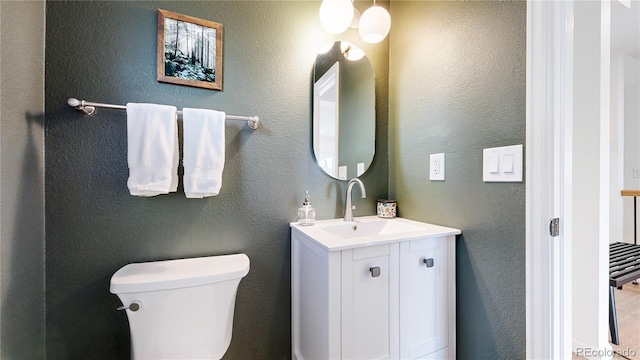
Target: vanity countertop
(336,234)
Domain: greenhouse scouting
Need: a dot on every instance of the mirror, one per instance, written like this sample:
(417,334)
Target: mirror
(344,114)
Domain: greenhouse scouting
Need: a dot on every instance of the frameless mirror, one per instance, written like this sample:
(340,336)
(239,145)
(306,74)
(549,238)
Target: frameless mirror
(344,115)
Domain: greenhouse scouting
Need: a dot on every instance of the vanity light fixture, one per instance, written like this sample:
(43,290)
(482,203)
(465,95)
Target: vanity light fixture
(356,18)
(374,24)
(336,15)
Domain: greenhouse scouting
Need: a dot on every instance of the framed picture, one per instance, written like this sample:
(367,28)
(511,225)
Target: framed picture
(189,51)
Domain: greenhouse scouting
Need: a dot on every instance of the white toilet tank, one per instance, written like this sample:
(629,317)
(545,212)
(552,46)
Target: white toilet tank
(180,309)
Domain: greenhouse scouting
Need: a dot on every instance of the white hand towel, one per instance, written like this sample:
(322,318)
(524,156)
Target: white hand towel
(204,147)
(152,145)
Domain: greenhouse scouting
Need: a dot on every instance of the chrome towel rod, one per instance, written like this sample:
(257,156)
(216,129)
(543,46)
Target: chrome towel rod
(89,108)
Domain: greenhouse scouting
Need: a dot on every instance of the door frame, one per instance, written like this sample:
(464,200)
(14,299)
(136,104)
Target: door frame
(550,170)
(549,126)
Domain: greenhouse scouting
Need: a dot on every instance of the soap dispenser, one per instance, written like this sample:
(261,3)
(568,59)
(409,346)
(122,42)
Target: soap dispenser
(306,213)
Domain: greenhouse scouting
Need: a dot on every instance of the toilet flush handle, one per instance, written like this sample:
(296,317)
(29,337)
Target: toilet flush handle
(135,306)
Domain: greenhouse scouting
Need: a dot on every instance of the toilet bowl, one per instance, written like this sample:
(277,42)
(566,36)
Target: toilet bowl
(180,309)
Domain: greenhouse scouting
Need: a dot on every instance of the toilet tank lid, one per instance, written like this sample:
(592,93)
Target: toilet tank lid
(173,274)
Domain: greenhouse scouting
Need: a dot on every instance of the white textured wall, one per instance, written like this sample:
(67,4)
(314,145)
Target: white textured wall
(631,115)
(617,158)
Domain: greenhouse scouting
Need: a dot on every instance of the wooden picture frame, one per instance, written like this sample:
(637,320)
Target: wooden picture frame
(189,51)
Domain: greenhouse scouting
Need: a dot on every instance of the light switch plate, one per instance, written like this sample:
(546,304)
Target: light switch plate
(509,167)
(436,167)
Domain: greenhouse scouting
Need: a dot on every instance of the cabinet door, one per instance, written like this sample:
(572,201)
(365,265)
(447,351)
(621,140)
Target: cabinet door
(369,278)
(423,297)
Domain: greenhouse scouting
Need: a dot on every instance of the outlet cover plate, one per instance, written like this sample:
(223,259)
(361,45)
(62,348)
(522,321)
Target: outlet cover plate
(436,167)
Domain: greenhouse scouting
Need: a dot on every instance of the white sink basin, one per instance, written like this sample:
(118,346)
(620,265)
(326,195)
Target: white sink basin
(337,234)
(357,229)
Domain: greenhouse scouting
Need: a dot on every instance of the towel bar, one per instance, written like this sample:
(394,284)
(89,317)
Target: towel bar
(89,108)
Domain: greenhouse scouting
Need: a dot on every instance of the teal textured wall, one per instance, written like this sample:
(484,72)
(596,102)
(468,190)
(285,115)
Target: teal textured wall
(457,85)
(457,75)
(22,199)
(106,52)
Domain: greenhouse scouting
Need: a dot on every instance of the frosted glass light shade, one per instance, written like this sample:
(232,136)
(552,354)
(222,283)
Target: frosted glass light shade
(336,15)
(356,19)
(375,24)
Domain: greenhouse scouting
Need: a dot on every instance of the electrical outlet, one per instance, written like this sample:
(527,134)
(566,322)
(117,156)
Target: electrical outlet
(436,167)
(636,173)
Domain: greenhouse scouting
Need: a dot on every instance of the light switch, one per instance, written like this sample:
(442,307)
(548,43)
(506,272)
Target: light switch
(494,164)
(360,169)
(502,164)
(507,163)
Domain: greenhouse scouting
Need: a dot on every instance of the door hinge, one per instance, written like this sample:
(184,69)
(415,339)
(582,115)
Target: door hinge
(554,227)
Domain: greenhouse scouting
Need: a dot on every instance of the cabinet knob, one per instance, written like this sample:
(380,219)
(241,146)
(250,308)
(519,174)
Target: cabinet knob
(428,262)
(375,271)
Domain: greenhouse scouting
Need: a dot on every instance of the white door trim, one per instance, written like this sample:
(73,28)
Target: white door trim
(548,178)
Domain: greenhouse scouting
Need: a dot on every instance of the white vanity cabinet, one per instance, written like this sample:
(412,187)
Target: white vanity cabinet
(373,297)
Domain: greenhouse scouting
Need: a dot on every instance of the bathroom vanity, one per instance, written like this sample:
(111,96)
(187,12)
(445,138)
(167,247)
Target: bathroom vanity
(373,289)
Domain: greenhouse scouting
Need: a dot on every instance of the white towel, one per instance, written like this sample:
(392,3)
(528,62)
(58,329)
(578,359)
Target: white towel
(152,142)
(203,148)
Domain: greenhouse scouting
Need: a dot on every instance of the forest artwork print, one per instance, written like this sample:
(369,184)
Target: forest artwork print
(189,51)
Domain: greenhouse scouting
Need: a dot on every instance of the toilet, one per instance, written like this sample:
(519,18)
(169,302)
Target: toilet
(180,309)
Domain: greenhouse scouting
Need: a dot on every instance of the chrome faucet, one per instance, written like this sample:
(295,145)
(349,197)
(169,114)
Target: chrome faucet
(348,209)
